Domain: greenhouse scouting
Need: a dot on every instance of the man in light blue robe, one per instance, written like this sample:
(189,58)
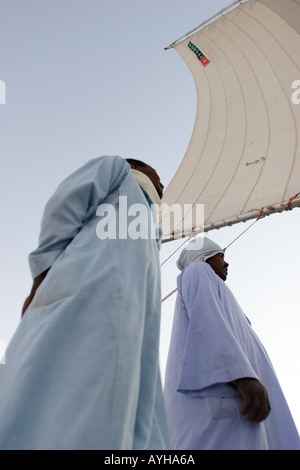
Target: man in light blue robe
(82,370)
(221,392)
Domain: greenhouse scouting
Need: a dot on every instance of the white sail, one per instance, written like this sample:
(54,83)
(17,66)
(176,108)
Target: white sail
(244,153)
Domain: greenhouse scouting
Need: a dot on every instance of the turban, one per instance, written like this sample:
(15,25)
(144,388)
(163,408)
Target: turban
(146,184)
(199,249)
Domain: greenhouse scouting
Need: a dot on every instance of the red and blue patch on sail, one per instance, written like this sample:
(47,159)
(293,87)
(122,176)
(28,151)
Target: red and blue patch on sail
(204,60)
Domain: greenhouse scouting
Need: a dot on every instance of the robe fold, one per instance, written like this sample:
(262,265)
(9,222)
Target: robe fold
(213,344)
(82,370)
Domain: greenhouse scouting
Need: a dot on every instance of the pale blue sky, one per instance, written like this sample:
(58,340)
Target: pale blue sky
(91,77)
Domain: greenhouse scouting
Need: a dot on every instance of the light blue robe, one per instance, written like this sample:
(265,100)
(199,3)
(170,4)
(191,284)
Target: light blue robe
(82,369)
(212,344)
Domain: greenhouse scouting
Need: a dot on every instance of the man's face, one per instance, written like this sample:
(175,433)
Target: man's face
(153,176)
(219,265)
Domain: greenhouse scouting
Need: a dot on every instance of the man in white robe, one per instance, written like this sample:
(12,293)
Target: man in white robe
(221,392)
(82,370)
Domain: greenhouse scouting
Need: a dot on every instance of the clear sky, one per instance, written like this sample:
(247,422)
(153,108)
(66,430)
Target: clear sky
(91,77)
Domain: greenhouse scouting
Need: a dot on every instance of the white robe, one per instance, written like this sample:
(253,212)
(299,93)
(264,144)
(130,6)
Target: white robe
(82,370)
(212,344)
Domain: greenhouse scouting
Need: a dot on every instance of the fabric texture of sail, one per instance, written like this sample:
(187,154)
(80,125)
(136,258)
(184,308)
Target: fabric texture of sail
(244,152)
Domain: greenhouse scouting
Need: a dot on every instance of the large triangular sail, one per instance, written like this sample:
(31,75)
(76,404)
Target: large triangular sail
(244,153)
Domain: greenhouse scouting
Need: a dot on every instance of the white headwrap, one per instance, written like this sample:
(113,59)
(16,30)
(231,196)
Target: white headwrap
(199,249)
(146,184)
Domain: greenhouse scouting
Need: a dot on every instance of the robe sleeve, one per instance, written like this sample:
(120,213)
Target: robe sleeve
(212,353)
(73,203)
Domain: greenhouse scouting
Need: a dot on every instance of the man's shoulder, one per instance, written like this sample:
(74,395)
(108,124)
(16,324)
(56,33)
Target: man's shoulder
(195,273)
(200,272)
(104,167)
(108,160)
(199,268)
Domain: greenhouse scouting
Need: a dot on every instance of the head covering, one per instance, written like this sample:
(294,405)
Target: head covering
(199,249)
(146,184)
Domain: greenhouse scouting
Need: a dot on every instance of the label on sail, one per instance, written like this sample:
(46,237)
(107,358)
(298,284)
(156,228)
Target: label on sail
(204,60)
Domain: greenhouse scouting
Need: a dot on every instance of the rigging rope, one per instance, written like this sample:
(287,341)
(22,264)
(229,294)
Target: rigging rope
(192,234)
(260,216)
